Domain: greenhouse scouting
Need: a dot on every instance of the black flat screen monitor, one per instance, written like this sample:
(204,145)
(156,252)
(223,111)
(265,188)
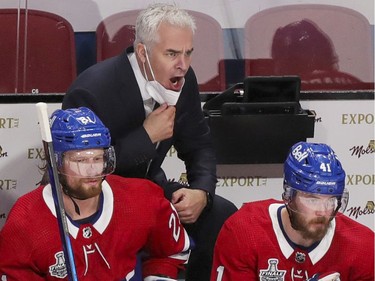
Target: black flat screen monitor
(271,89)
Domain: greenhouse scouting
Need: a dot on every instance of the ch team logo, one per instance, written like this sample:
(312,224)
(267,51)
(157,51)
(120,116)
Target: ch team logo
(59,269)
(272,273)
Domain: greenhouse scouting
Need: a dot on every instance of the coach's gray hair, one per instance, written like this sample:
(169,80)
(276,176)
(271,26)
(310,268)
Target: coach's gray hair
(148,22)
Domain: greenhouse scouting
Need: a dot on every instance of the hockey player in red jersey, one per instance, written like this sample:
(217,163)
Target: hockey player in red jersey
(305,237)
(111,219)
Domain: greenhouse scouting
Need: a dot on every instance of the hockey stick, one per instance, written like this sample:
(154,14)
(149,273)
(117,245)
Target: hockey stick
(56,190)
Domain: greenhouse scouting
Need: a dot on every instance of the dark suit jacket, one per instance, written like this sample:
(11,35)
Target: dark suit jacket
(110,89)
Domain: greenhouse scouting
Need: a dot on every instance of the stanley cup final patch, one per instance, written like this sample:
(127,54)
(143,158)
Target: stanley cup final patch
(272,273)
(59,269)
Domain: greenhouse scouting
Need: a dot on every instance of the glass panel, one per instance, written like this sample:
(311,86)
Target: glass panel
(50,42)
(304,40)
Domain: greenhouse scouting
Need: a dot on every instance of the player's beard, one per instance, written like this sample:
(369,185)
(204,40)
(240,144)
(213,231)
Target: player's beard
(83,188)
(314,229)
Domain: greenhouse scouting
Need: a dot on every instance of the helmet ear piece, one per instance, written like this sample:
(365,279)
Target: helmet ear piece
(109,160)
(344,199)
(288,194)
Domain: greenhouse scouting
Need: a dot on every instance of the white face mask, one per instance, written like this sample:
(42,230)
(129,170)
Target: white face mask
(157,91)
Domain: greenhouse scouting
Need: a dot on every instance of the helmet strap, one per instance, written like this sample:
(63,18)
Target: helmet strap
(337,209)
(76,208)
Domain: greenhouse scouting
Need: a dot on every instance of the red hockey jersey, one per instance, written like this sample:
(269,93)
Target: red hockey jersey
(133,216)
(252,246)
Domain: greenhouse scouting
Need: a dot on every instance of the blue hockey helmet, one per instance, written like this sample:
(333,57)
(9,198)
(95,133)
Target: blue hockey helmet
(80,129)
(314,168)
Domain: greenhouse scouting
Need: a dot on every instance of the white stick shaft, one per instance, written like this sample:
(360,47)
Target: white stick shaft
(43,120)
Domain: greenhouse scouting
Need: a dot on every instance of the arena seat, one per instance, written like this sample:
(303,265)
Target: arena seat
(107,47)
(348,31)
(37,52)
(116,32)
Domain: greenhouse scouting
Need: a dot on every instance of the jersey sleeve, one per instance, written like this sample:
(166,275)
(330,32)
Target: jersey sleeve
(230,261)
(168,246)
(15,251)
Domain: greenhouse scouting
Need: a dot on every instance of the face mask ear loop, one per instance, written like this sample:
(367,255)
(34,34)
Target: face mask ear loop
(144,70)
(149,65)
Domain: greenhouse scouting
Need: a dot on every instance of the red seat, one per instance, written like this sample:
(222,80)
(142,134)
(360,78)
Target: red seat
(349,34)
(116,32)
(107,47)
(38,55)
